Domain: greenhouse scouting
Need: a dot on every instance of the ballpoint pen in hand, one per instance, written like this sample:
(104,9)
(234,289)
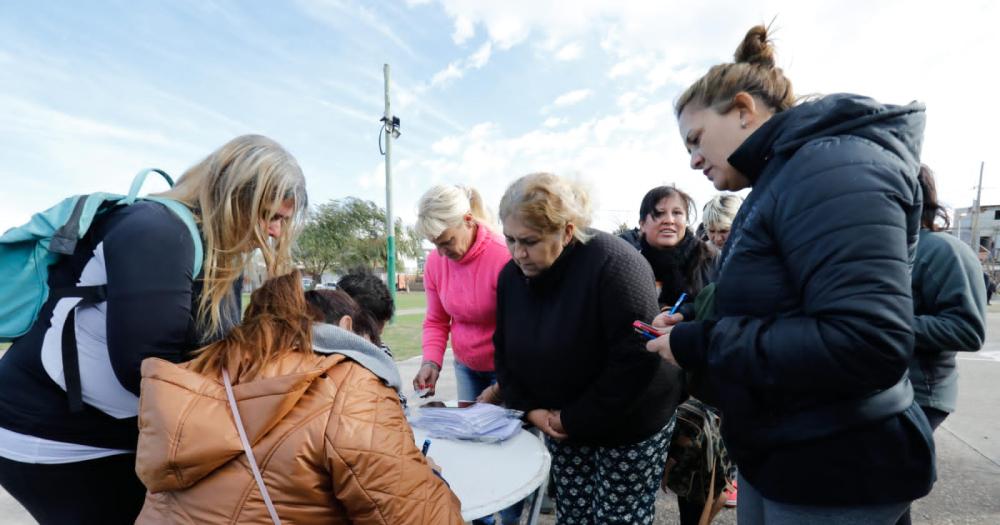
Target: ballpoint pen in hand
(677,305)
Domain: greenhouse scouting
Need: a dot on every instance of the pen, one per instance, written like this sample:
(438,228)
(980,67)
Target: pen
(677,305)
(426,447)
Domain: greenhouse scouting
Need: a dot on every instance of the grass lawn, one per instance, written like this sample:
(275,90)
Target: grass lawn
(410,300)
(403,333)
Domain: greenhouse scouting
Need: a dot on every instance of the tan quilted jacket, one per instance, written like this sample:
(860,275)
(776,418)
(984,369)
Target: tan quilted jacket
(330,437)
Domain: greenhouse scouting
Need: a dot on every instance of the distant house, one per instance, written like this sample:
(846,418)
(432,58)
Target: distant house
(989,228)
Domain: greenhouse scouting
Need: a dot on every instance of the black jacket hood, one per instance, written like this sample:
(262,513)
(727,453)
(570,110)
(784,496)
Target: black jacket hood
(898,129)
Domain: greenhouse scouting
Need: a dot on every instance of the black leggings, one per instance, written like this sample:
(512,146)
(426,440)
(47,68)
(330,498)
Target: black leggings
(99,491)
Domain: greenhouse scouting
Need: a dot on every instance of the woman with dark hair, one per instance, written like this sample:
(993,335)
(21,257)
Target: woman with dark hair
(949,310)
(681,262)
(336,307)
(808,355)
(323,423)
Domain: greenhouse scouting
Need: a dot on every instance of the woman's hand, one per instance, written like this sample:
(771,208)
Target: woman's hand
(555,422)
(542,418)
(661,345)
(665,320)
(427,378)
(434,466)
(491,395)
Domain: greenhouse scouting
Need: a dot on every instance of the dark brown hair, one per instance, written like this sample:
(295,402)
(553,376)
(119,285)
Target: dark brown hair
(275,323)
(654,196)
(753,72)
(329,306)
(932,210)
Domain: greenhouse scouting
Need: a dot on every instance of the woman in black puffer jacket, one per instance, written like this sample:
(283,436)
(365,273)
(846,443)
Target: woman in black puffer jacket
(808,355)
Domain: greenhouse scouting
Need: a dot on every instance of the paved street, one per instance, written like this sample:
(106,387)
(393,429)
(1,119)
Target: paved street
(968,444)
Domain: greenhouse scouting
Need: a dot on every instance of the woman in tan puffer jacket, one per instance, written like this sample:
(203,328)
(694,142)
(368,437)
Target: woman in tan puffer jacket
(321,410)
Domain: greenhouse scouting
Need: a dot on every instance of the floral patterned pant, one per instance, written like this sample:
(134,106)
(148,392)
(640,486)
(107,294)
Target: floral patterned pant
(608,485)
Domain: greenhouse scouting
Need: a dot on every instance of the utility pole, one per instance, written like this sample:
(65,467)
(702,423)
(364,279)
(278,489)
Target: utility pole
(390,230)
(974,242)
(390,126)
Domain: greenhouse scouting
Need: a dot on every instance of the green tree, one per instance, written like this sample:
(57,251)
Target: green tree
(350,232)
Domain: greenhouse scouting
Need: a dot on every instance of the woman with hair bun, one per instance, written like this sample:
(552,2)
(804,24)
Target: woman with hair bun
(807,356)
(567,356)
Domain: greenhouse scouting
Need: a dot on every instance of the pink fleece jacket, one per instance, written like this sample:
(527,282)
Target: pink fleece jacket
(462,300)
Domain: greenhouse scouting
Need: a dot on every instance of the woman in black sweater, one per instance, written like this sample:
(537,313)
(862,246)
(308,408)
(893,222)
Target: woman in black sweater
(567,356)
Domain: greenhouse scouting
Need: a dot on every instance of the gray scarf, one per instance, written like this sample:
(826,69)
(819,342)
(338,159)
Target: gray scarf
(331,339)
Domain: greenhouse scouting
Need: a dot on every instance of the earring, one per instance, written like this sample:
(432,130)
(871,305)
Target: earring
(743,124)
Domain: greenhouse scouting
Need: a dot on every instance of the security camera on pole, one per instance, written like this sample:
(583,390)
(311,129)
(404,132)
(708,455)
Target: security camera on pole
(390,125)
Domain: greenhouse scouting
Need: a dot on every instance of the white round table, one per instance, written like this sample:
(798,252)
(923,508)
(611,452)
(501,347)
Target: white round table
(489,477)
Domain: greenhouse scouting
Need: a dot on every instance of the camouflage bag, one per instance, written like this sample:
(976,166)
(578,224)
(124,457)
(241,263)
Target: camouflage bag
(698,467)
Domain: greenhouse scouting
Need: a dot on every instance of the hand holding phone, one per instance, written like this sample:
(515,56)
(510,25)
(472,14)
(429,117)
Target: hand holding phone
(646,330)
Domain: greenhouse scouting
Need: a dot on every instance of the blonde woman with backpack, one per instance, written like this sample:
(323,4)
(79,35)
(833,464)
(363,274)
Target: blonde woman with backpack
(75,464)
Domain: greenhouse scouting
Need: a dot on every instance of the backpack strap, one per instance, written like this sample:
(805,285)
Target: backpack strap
(64,240)
(70,354)
(179,209)
(185,215)
(248,449)
(140,177)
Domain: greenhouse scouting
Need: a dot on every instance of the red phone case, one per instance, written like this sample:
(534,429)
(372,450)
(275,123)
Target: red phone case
(647,328)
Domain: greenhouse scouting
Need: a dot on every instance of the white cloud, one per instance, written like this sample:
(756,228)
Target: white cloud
(456,70)
(572,98)
(447,146)
(639,145)
(464,30)
(480,58)
(628,66)
(553,122)
(570,52)
(878,49)
(630,99)
(452,72)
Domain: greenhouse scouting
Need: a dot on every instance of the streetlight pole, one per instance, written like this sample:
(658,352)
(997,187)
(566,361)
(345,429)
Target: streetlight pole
(390,230)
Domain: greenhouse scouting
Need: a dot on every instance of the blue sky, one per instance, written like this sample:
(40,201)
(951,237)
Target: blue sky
(91,92)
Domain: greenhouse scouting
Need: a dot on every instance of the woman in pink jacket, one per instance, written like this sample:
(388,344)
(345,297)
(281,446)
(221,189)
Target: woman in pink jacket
(461,282)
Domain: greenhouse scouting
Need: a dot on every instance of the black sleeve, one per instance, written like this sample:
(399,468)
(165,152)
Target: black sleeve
(842,230)
(511,391)
(149,257)
(625,296)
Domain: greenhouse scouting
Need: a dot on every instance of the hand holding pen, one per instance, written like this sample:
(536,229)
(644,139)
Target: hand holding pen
(671,317)
(662,325)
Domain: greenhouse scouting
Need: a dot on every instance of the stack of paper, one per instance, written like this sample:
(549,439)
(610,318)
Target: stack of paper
(477,422)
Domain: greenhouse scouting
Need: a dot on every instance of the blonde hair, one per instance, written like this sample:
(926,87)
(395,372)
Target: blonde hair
(548,203)
(233,194)
(753,72)
(721,210)
(445,206)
